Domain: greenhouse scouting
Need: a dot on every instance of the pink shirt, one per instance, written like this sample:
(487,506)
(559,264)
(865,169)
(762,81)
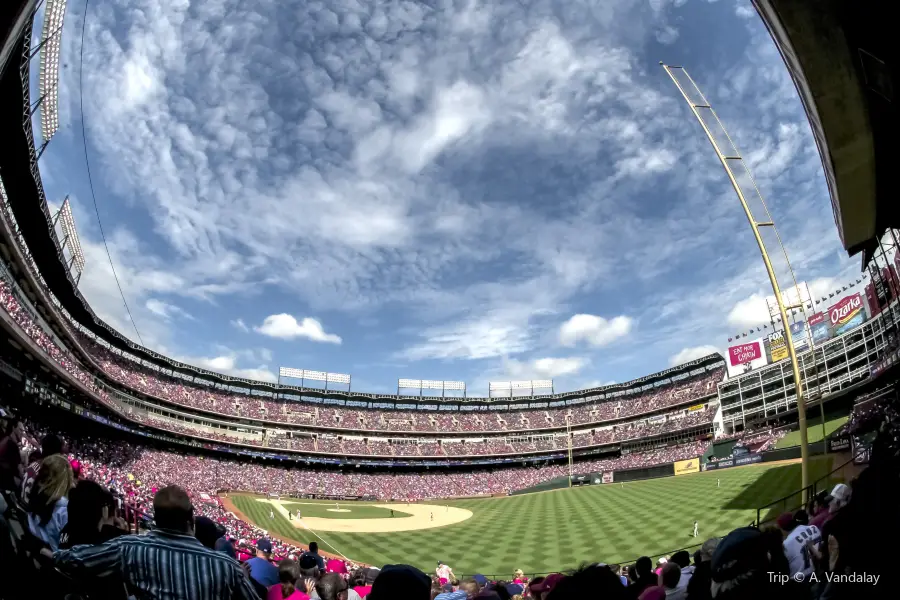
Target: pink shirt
(275,594)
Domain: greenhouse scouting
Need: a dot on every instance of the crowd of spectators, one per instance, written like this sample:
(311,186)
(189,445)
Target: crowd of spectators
(290,412)
(411,447)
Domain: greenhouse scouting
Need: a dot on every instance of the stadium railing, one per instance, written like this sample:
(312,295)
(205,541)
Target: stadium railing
(570,570)
(794,500)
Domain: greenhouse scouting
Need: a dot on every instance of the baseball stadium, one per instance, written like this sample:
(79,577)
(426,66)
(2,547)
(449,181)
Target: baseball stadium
(641,426)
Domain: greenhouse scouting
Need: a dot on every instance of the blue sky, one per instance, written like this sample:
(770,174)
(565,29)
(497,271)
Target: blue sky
(456,190)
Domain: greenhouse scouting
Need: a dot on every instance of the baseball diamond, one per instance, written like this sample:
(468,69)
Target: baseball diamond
(545,531)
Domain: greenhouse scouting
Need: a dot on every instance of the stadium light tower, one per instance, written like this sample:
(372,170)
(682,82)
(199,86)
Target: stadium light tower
(761,224)
(48,79)
(69,239)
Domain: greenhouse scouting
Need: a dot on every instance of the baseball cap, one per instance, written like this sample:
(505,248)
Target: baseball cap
(308,561)
(335,566)
(548,583)
(264,545)
(479,579)
(841,493)
(708,549)
(447,588)
(741,551)
(514,589)
(785,520)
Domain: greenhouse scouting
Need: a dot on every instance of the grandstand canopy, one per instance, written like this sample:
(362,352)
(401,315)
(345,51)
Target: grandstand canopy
(842,57)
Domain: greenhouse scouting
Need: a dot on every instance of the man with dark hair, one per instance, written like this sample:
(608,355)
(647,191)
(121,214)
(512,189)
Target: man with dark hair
(261,567)
(331,586)
(90,520)
(400,582)
(643,569)
(595,581)
(167,562)
(683,560)
(669,578)
(208,531)
(314,552)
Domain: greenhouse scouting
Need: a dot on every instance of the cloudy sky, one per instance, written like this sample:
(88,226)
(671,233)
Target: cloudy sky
(455,189)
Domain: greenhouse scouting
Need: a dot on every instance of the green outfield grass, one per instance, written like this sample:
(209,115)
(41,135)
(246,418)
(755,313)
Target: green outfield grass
(814,432)
(549,531)
(357,510)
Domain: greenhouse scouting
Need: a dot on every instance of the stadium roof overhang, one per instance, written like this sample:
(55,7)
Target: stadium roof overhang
(842,56)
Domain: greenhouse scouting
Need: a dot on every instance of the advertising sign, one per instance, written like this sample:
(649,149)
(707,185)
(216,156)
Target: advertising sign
(777,346)
(872,300)
(799,335)
(656,419)
(818,326)
(749,355)
(608,476)
(744,353)
(746,459)
(846,314)
(695,407)
(683,467)
(839,444)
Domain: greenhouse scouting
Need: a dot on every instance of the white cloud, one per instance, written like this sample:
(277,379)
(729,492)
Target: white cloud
(749,312)
(286,327)
(692,353)
(594,330)
(545,368)
(754,310)
(240,325)
(228,364)
(166,310)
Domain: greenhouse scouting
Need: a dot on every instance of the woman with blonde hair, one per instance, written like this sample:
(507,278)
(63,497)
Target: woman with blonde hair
(519,577)
(48,502)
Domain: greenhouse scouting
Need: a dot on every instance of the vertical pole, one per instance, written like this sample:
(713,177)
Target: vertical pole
(776,289)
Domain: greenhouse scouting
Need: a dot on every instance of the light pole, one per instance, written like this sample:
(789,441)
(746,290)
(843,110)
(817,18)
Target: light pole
(760,220)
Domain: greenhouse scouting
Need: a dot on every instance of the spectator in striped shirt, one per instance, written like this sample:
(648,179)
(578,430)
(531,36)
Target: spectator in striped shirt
(168,563)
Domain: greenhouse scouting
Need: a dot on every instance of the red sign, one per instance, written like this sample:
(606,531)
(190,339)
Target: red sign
(744,353)
(845,310)
(816,318)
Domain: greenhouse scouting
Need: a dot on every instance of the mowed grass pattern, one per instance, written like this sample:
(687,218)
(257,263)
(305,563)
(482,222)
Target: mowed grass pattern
(814,432)
(549,531)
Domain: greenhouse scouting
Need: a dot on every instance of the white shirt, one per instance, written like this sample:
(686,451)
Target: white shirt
(795,548)
(443,571)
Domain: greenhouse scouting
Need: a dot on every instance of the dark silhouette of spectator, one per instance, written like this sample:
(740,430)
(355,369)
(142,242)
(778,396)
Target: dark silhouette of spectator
(595,581)
(90,516)
(11,468)
(698,588)
(400,582)
(645,577)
